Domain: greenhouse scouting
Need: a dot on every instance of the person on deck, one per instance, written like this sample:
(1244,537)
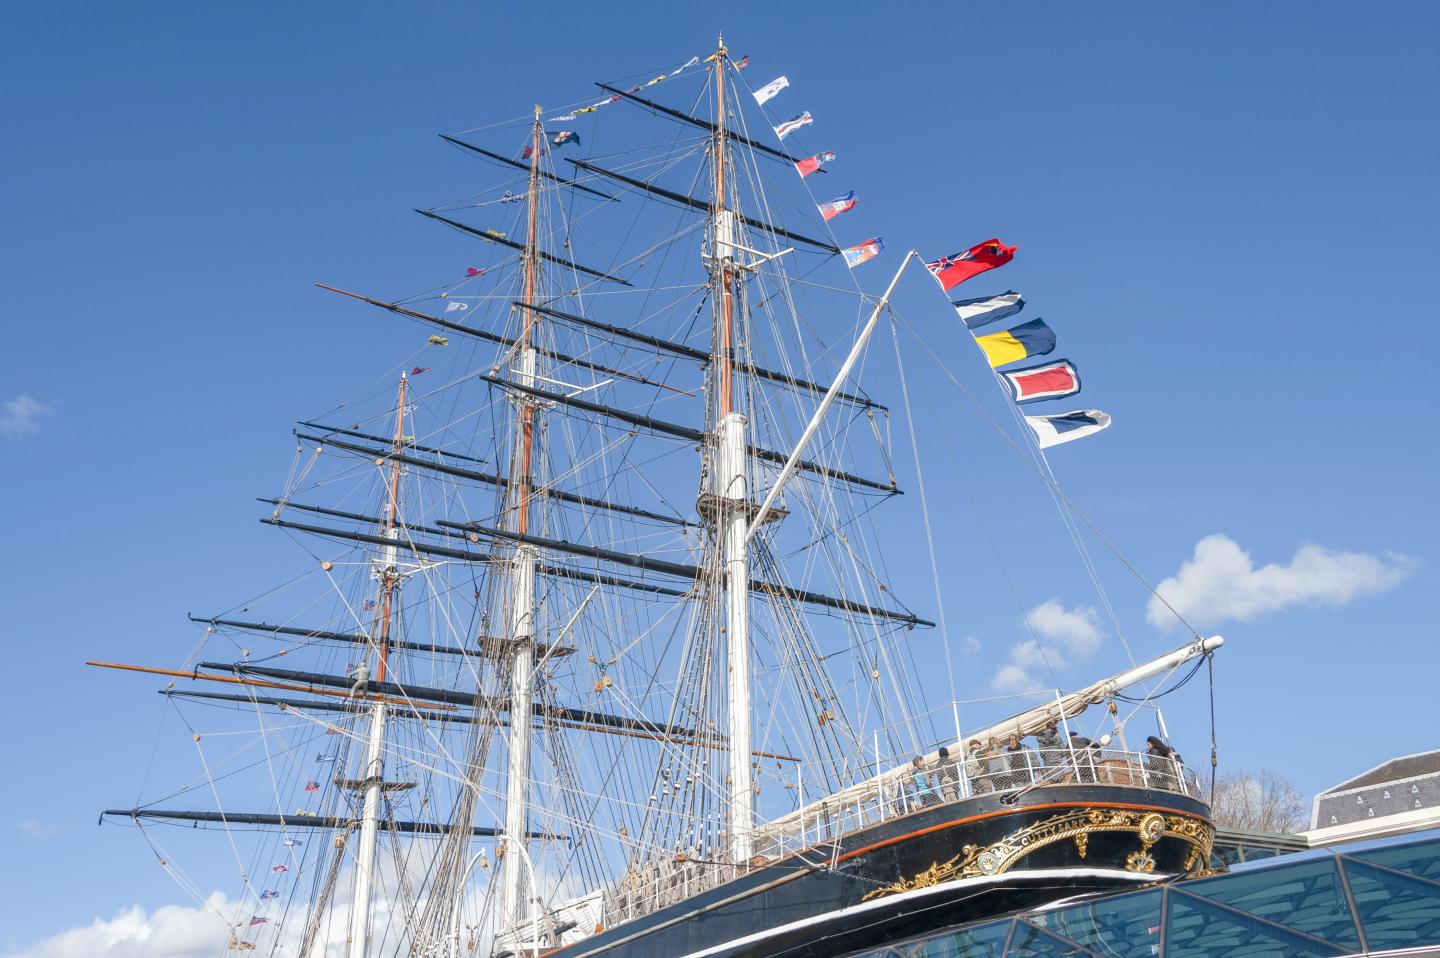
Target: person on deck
(947,777)
(1161,761)
(922,788)
(1049,744)
(1019,761)
(1086,754)
(977,768)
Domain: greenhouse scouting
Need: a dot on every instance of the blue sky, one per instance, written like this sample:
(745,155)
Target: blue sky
(1227,213)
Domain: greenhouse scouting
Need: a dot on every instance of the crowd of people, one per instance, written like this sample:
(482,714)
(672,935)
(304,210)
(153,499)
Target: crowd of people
(993,766)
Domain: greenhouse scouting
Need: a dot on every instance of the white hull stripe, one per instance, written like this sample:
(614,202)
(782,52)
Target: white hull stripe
(1113,874)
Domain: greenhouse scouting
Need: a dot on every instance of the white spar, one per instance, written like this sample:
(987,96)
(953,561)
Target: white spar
(1026,723)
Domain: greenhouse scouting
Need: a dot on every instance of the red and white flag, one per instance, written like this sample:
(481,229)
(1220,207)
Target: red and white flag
(1054,380)
(812,164)
(951,271)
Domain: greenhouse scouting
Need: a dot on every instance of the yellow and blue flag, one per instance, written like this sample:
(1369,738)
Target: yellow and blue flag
(1028,339)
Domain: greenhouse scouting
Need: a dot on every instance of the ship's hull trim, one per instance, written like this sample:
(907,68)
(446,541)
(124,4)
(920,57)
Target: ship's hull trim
(844,921)
(971,858)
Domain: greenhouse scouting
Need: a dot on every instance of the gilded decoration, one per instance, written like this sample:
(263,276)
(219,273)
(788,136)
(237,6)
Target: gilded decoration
(977,861)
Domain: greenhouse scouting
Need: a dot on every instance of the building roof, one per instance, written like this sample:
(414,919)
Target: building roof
(1406,766)
(1398,790)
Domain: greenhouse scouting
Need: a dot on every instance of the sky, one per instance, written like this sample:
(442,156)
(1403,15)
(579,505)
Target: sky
(1226,211)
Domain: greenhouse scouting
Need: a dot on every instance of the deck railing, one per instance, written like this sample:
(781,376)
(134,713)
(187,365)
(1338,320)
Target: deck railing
(671,879)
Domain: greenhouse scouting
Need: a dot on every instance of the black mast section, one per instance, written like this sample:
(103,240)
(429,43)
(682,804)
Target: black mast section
(560,358)
(691,201)
(686,432)
(387,440)
(465,555)
(457,697)
(492,479)
(696,121)
(685,571)
(524,166)
(299,821)
(699,355)
(654,565)
(503,241)
(324,635)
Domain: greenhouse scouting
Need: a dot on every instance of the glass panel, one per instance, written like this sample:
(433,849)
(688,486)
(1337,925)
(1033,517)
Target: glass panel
(982,941)
(1396,911)
(1304,895)
(1032,942)
(1198,929)
(1253,853)
(1422,858)
(1126,926)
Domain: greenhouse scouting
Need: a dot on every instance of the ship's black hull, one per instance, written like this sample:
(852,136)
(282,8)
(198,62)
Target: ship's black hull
(934,867)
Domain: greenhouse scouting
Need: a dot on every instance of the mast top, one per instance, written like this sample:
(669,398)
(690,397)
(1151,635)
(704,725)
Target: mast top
(537,111)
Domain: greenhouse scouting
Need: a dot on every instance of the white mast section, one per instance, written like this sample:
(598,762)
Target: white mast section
(732,497)
(359,940)
(373,778)
(521,631)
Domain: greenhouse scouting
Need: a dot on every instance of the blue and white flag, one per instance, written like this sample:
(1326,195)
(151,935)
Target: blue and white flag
(841,204)
(988,309)
(769,90)
(452,307)
(1054,430)
(793,124)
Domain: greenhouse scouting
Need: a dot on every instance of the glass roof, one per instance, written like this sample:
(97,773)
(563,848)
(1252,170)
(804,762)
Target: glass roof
(1344,900)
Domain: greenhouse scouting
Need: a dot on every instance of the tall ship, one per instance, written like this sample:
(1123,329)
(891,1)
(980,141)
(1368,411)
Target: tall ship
(589,645)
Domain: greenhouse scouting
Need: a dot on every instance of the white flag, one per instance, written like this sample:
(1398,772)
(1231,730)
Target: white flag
(769,90)
(1053,430)
(453,307)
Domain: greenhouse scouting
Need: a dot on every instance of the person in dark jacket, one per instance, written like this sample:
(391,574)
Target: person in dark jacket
(947,777)
(1087,753)
(1050,745)
(1161,761)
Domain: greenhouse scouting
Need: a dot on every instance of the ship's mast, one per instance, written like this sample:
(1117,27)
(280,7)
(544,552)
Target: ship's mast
(374,773)
(521,634)
(732,495)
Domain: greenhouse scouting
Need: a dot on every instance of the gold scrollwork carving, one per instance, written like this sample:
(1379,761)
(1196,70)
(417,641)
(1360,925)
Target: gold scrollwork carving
(975,861)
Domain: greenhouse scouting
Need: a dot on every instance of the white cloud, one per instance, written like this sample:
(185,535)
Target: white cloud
(39,830)
(1072,630)
(24,415)
(1220,582)
(969,644)
(171,931)
(1012,678)
(1061,636)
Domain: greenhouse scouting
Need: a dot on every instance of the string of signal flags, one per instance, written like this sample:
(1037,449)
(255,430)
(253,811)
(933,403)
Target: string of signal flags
(1057,379)
(1054,379)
